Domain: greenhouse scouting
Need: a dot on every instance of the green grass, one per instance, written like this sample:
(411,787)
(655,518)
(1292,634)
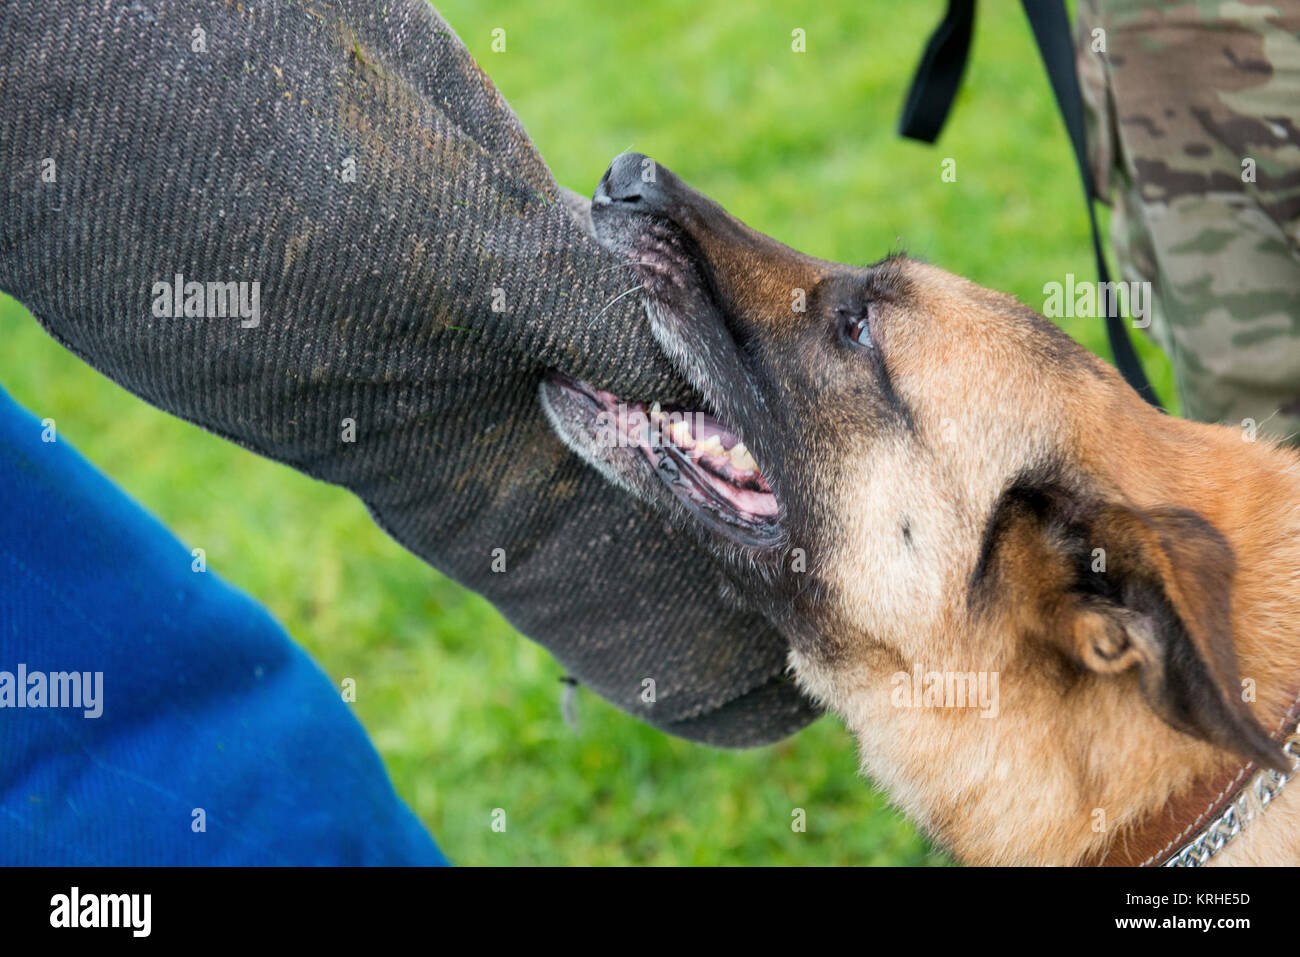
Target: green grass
(802,146)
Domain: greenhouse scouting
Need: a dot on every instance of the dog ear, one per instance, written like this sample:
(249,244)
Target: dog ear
(1115,589)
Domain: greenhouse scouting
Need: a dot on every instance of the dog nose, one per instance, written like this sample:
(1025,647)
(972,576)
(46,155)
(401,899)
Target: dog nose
(631,178)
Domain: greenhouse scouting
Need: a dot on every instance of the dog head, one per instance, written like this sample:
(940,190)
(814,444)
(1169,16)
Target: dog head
(899,466)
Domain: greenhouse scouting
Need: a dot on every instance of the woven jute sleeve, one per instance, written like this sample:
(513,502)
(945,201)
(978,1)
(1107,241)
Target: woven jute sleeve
(391,252)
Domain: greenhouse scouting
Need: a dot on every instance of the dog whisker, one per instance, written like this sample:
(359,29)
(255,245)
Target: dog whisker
(608,305)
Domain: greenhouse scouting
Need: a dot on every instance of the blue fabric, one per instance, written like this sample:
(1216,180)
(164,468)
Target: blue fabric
(206,703)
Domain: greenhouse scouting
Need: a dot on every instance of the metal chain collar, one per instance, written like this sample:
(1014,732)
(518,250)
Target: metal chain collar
(1264,785)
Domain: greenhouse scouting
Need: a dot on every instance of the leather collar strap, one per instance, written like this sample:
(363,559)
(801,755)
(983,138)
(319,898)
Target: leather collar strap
(1193,827)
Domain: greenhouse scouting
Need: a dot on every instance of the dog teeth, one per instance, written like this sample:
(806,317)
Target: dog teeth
(711,446)
(656,413)
(680,433)
(741,460)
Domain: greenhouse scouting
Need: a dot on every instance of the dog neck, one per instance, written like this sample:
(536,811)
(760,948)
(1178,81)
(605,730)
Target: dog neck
(1192,828)
(1086,772)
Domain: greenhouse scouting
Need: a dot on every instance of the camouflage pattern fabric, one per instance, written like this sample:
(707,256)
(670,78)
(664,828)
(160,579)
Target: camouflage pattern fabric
(1194,138)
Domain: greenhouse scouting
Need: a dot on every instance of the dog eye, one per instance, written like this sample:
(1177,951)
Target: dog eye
(860,332)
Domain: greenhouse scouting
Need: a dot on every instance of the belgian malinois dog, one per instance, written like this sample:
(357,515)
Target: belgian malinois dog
(936,494)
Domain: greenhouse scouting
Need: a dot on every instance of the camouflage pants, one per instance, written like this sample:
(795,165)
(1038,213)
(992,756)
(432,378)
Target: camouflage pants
(1194,139)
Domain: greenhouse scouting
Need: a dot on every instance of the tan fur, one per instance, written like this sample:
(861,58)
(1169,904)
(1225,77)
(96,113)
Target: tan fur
(1027,787)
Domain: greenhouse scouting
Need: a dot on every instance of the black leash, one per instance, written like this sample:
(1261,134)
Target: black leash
(930,99)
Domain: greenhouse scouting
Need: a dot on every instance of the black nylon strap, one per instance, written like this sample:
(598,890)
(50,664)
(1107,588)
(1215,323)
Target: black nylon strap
(1051,29)
(939,74)
(930,99)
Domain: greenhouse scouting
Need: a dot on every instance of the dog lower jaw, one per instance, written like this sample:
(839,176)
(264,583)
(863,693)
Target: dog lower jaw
(697,459)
